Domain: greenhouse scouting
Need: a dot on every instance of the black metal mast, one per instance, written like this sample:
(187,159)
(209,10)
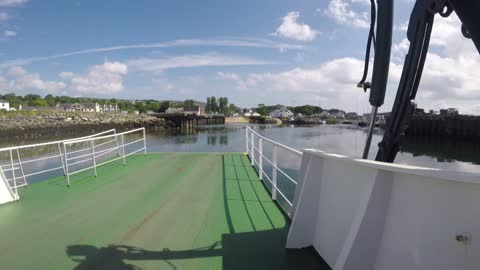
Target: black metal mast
(418,33)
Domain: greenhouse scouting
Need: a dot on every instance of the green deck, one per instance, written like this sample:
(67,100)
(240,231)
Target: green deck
(163,211)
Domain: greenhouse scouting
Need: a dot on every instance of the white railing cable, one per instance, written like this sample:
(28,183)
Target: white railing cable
(94,154)
(20,164)
(254,149)
(275,143)
(55,142)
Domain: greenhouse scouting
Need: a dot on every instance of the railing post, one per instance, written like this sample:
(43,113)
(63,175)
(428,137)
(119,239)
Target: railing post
(13,175)
(246,140)
(92,143)
(66,164)
(252,149)
(21,168)
(260,157)
(116,142)
(123,149)
(144,143)
(61,159)
(274,172)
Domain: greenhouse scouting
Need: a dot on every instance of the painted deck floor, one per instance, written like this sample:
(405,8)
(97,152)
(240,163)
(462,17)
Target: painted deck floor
(162,211)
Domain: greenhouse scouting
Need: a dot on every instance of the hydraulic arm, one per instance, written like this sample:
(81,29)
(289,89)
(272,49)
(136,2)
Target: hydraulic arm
(418,33)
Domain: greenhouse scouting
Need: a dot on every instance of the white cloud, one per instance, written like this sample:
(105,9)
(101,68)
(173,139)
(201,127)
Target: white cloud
(12,3)
(66,75)
(225,42)
(103,79)
(22,80)
(292,29)
(4,16)
(190,61)
(9,33)
(341,12)
(450,77)
(228,76)
(401,27)
(333,83)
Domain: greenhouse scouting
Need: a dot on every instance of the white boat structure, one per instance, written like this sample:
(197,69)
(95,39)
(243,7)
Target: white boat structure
(363,214)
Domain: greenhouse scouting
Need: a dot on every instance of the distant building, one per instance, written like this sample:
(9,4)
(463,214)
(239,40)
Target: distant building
(324,114)
(452,111)
(255,114)
(247,114)
(351,115)
(449,112)
(419,111)
(4,105)
(380,119)
(283,112)
(338,114)
(174,110)
(79,107)
(196,110)
(87,107)
(109,108)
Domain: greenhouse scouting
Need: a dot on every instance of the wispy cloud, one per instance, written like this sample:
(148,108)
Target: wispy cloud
(227,42)
(12,3)
(157,65)
(9,33)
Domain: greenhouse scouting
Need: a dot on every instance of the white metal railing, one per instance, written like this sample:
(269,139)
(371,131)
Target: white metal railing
(17,166)
(256,153)
(87,154)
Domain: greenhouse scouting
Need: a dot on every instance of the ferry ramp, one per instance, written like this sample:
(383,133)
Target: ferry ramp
(160,211)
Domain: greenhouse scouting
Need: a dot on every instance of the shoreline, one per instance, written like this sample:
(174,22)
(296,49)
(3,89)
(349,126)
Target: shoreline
(27,125)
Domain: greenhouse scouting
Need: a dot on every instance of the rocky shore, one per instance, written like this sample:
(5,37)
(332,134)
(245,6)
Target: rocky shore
(38,124)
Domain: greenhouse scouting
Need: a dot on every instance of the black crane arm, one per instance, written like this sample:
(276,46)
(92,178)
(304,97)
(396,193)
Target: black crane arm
(418,33)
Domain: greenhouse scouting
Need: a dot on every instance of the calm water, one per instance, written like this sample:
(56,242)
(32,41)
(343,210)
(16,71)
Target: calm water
(347,140)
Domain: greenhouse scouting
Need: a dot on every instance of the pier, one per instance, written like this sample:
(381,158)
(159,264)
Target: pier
(186,121)
(459,126)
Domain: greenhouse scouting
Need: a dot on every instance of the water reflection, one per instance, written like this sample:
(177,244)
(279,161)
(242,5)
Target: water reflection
(442,150)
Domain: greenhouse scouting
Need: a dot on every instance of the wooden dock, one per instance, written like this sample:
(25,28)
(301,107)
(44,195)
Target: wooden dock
(189,121)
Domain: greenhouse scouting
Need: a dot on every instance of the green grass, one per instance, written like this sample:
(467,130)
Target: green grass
(163,211)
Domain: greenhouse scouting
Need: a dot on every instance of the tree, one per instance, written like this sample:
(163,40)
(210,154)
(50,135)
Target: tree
(50,100)
(164,106)
(208,108)
(140,107)
(233,109)
(213,105)
(262,109)
(188,103)
(222,104)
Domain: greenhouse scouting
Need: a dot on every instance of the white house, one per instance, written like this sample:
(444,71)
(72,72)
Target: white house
(4,105)
(323,114)
(338,114)
(79,107)
(283,112)
(171,110)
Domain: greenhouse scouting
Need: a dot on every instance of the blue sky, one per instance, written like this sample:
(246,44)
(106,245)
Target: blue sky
(288,52)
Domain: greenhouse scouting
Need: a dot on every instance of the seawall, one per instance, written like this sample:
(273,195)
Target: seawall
(460,126)
(38,124)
